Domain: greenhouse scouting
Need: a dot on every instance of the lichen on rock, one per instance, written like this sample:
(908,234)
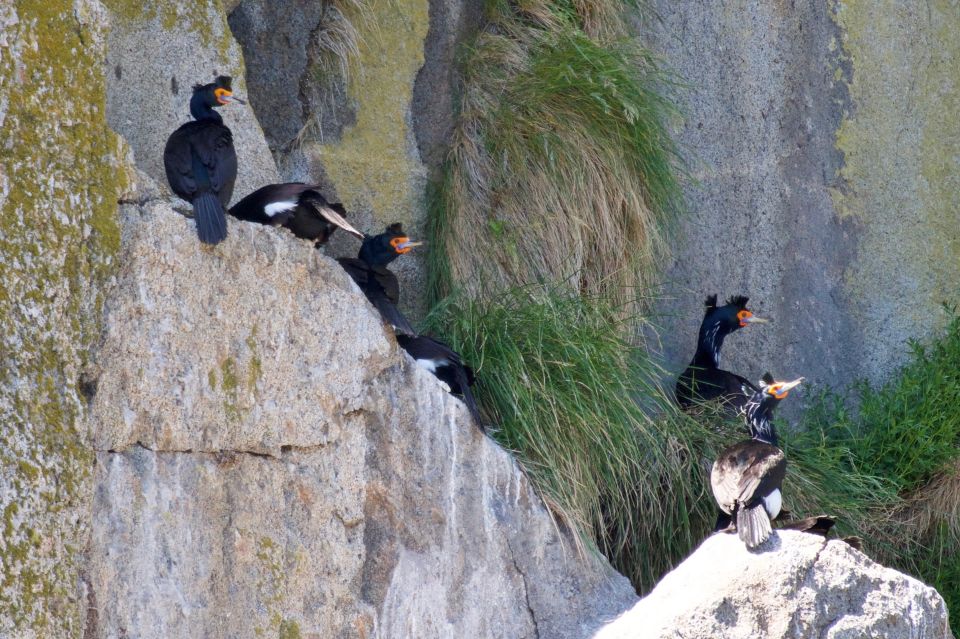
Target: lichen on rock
(62,171)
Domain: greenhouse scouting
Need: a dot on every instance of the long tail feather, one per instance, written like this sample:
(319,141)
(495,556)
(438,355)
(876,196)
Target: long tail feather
(468,397)
(210,217)
(392,315)
(753,525)
(819,525)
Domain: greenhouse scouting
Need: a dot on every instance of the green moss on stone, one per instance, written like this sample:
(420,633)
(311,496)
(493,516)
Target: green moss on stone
(59,185)
(901,142)
(289,629)
(206,18)
(374,165)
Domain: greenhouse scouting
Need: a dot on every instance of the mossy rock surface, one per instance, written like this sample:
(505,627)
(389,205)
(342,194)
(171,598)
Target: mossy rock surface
(61,174)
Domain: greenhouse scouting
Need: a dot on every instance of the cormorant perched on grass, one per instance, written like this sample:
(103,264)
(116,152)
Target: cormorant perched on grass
(704,380)
(201,162)
(296,206)
(445,364)
(369,270)
(746,477)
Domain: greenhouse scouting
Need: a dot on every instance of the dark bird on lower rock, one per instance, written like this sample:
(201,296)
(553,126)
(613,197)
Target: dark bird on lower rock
(369,270)
(296,206)
(446,365)
(747,476)
(703,379)
(200,160)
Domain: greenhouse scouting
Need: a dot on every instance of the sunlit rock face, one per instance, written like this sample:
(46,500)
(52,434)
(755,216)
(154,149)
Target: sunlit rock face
(794,585)
(267,459)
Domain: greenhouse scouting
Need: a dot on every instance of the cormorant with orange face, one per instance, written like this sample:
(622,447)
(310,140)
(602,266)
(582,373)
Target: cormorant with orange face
(369,270)
(746,477)
(201,162)
(704,380)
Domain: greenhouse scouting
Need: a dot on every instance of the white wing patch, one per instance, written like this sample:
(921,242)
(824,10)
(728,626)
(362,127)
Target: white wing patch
(428,364)
(772,503)
(275,208)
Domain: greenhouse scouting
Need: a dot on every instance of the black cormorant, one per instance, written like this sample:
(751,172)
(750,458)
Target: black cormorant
(296,206)
(746,477)
(445,364)
(369,270)
(704,380)
(201,162)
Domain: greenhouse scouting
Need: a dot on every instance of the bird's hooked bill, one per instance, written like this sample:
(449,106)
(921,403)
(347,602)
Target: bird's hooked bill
(409,244)
(335,218)
(788,385)
(233,98)
(753,319)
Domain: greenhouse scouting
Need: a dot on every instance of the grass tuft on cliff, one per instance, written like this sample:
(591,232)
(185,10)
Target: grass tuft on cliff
(561,161)
(562,386)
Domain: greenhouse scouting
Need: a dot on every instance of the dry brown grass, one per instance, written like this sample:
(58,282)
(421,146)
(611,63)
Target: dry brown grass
(935,506)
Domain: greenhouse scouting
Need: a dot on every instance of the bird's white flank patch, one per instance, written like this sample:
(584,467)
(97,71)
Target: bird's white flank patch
(431,364)
(772,503)
(278,207)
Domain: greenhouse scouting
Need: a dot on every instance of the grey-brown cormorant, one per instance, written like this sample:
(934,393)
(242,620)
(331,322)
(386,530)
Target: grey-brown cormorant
(296,206)
(704,380)
(201,162)
(369,270)
(446,365)
(746,477)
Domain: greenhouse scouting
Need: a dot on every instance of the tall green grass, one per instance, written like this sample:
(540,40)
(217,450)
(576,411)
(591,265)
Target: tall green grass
(581,407)
(561,160)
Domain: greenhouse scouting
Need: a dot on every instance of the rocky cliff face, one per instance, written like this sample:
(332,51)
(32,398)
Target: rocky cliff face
(825,164)
(268,462)
(225,442)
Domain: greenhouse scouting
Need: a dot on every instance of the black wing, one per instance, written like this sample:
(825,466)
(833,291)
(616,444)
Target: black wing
(746,472)
(448,367)
(253,207)
(763,475)
(372,282)
(708,384)
(199,156)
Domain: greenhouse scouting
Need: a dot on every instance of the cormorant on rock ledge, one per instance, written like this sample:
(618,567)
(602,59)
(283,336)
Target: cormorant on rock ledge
(746,477)
(446,365)
(369,270)
(201,162)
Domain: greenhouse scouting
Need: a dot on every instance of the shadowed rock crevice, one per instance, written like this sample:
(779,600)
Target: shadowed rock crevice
(453,25)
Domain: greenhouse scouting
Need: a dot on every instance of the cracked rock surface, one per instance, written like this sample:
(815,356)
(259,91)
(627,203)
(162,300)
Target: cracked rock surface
(796,586)
(269,463)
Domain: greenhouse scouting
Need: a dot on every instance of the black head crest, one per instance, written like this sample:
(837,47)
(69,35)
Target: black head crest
(395,229)
(767,379)
(740,301)
(710,302)
(223,82)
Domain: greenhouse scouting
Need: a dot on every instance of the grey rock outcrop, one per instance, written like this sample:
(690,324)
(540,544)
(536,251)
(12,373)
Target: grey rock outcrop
(797,586)
(156,52)
(267,460)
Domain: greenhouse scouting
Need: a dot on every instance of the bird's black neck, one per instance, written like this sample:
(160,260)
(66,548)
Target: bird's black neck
(200,110)
(709,343)
(759,414)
